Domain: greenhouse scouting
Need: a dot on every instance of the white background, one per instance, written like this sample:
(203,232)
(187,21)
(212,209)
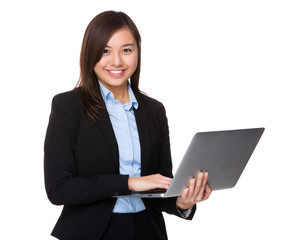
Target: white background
(215,65)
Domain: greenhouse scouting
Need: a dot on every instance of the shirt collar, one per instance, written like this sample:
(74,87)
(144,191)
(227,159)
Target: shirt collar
(107,95)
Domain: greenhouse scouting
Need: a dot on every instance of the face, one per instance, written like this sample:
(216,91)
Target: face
(119,60)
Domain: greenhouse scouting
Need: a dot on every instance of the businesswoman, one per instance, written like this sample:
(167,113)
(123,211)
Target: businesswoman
(106,138)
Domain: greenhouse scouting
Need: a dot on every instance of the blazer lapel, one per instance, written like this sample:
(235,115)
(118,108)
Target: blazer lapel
(108,132)
(142,120)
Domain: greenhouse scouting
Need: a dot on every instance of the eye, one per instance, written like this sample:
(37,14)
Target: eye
(105,51)
(127,50)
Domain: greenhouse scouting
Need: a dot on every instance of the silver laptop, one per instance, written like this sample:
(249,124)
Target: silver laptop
(224,154)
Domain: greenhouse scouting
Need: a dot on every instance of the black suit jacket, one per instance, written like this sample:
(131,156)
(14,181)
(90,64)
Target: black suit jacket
(81,165)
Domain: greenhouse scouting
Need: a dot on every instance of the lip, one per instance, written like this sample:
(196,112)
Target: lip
(116,73)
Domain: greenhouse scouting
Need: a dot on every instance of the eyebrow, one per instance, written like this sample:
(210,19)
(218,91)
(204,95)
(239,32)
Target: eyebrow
(125,45)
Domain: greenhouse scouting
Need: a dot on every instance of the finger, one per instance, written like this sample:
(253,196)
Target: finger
(163,178)
(185,193)
(160,181)
(162,184)
(152,182)
(200,194)
(198,184)
(208,188)
(191,188)
(207,193)
(165,181)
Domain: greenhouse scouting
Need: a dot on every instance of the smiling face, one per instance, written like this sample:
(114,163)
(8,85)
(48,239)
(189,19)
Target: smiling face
(118,62)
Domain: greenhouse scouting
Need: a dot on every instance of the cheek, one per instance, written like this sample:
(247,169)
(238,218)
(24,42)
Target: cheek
(133,63)
(98,68)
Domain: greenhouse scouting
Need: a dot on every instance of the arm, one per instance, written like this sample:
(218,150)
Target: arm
(165,166)
(63,184)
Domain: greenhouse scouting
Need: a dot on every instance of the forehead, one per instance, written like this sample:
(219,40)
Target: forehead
(121,37)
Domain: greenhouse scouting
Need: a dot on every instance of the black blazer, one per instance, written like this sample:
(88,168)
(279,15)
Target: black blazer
(81,165)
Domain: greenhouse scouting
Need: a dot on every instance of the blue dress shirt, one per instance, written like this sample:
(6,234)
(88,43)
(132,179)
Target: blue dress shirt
(125,129)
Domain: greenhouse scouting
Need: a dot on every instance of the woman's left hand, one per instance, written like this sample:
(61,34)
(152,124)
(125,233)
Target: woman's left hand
(197,191)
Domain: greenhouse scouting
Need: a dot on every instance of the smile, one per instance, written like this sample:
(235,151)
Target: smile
(116,73)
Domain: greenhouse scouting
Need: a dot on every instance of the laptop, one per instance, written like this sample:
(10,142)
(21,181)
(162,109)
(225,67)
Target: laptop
(224,154)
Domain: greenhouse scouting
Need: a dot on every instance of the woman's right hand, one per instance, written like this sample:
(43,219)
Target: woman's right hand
(148,182)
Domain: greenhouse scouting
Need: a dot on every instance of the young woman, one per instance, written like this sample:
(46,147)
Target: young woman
(106,138)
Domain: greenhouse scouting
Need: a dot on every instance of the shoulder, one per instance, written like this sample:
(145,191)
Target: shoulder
(70,101)
(69,98)
(150,103)
(73,96)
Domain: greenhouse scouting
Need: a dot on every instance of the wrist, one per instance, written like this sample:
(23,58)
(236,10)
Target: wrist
(184,213)
(181,209)
(132,183)
(180,206)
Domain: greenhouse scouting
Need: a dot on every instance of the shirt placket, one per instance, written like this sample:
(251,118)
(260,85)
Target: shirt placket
(127,156)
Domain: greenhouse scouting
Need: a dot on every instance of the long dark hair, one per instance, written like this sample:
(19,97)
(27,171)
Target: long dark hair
(96,37)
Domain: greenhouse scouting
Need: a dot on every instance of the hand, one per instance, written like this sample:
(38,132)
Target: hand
(197,191)
(148,182)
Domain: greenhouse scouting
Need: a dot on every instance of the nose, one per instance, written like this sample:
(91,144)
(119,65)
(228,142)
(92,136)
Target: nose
(116,60)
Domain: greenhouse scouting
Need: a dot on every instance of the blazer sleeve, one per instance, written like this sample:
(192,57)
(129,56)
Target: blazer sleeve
(168,205)
(62,183)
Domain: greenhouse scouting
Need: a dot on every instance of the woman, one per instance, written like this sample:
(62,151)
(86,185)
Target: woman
(106,138)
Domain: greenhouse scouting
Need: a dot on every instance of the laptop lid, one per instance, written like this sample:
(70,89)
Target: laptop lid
(224,154)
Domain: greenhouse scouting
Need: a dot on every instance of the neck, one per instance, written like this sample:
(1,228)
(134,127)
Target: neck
(120,93)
